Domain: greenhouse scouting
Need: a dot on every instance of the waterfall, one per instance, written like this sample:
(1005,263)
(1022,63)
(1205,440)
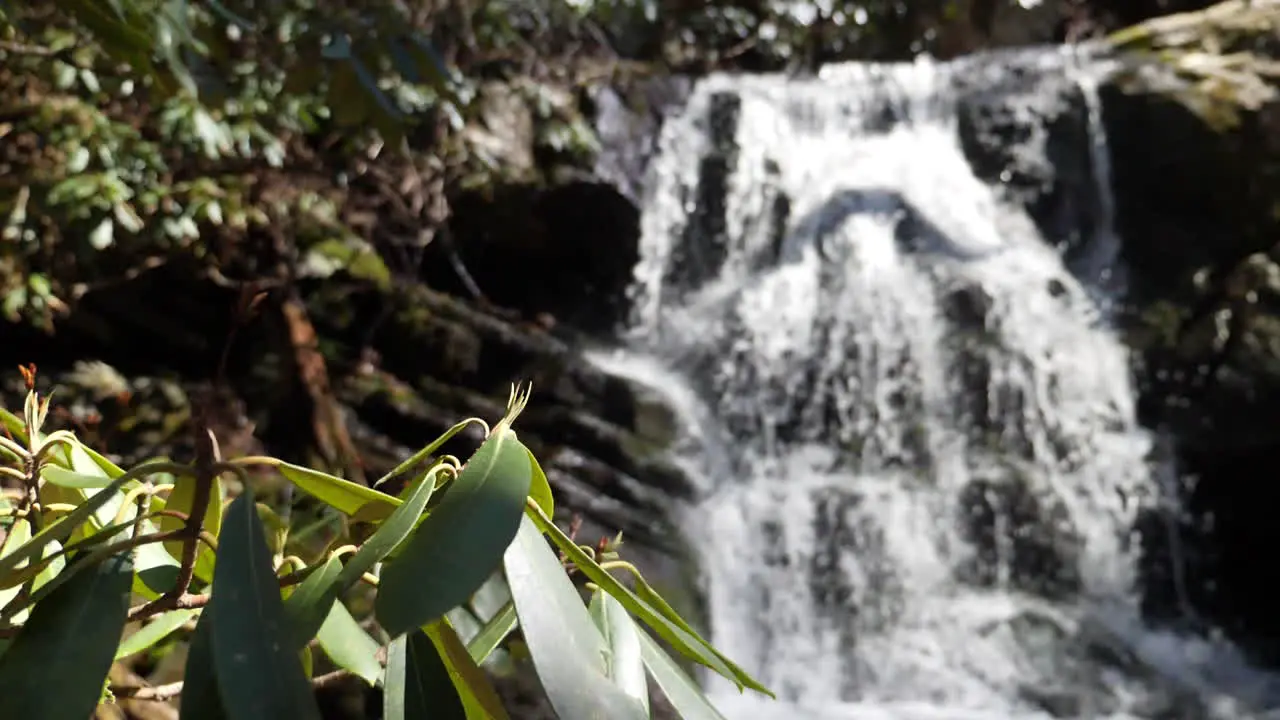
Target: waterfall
(915,427)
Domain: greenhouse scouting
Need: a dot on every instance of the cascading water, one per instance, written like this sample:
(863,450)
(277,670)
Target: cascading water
(918,433)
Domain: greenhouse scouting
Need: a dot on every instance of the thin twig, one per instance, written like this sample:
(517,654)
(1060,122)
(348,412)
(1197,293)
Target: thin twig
(17,48)
(185,602)
(205,465)
(169,691)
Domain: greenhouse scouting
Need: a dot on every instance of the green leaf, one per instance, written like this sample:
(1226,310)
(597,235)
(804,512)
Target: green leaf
(348,645)
(61,528)
(493,633)
(160,627)
(472,683)
(156,569)
(683,693)
(112,470)
(540,489)
(55,668)
(309,605)
(19,534)
(622,637)
(392,532)
(200,697)
(103,236)
(568,651)
(14,425)
(455,549)
(259,674)
(677,632)
(418,683)
(342,494)
(70,479)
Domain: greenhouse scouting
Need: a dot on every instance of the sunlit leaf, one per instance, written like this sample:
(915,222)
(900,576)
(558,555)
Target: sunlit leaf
(156,569)
(181,499)
(307,661)
(60,529)
(459,544)
(622,638)
(493,633)
(19,534)
(15,426)
(160,627)
(70,479)
(418,683)
(55,668)
(478,696)
(540,489)
(103,235)
(342,494)
(568,652)
(684,694)
(309,605)
(676,632)
(348,645)
(259,675)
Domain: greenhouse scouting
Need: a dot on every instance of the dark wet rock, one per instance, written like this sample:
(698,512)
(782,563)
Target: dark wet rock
(1196,208)
(567,251)
(1024,126)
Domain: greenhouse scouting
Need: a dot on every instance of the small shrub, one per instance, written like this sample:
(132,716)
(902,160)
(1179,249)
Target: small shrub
(186,550)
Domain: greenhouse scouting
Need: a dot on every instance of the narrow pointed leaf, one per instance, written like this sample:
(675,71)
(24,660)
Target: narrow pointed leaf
(478,696)
(568,651)
(493,633)
(681,637)
(200,698)
(307,662)
(259,674)
(15,426)
(55,668)
(458,545)
(622,638)
(540,489)
(181,499)
(63,477)
(418,683)
(390,533)
(60,529)
(112,470)
(153,632)
(309,605)
(156,570)
(684,694)
(19,535)
(344,495)
(348,645)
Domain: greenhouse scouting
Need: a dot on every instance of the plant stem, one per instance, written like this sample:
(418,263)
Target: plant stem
(169,691)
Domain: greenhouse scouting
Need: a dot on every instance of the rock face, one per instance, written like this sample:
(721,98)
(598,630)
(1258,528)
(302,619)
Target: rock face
(1197,209)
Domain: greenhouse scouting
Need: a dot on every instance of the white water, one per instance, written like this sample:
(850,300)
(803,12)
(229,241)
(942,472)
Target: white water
(916,430)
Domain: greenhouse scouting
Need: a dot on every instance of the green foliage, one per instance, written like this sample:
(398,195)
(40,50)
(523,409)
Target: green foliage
(458,531)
